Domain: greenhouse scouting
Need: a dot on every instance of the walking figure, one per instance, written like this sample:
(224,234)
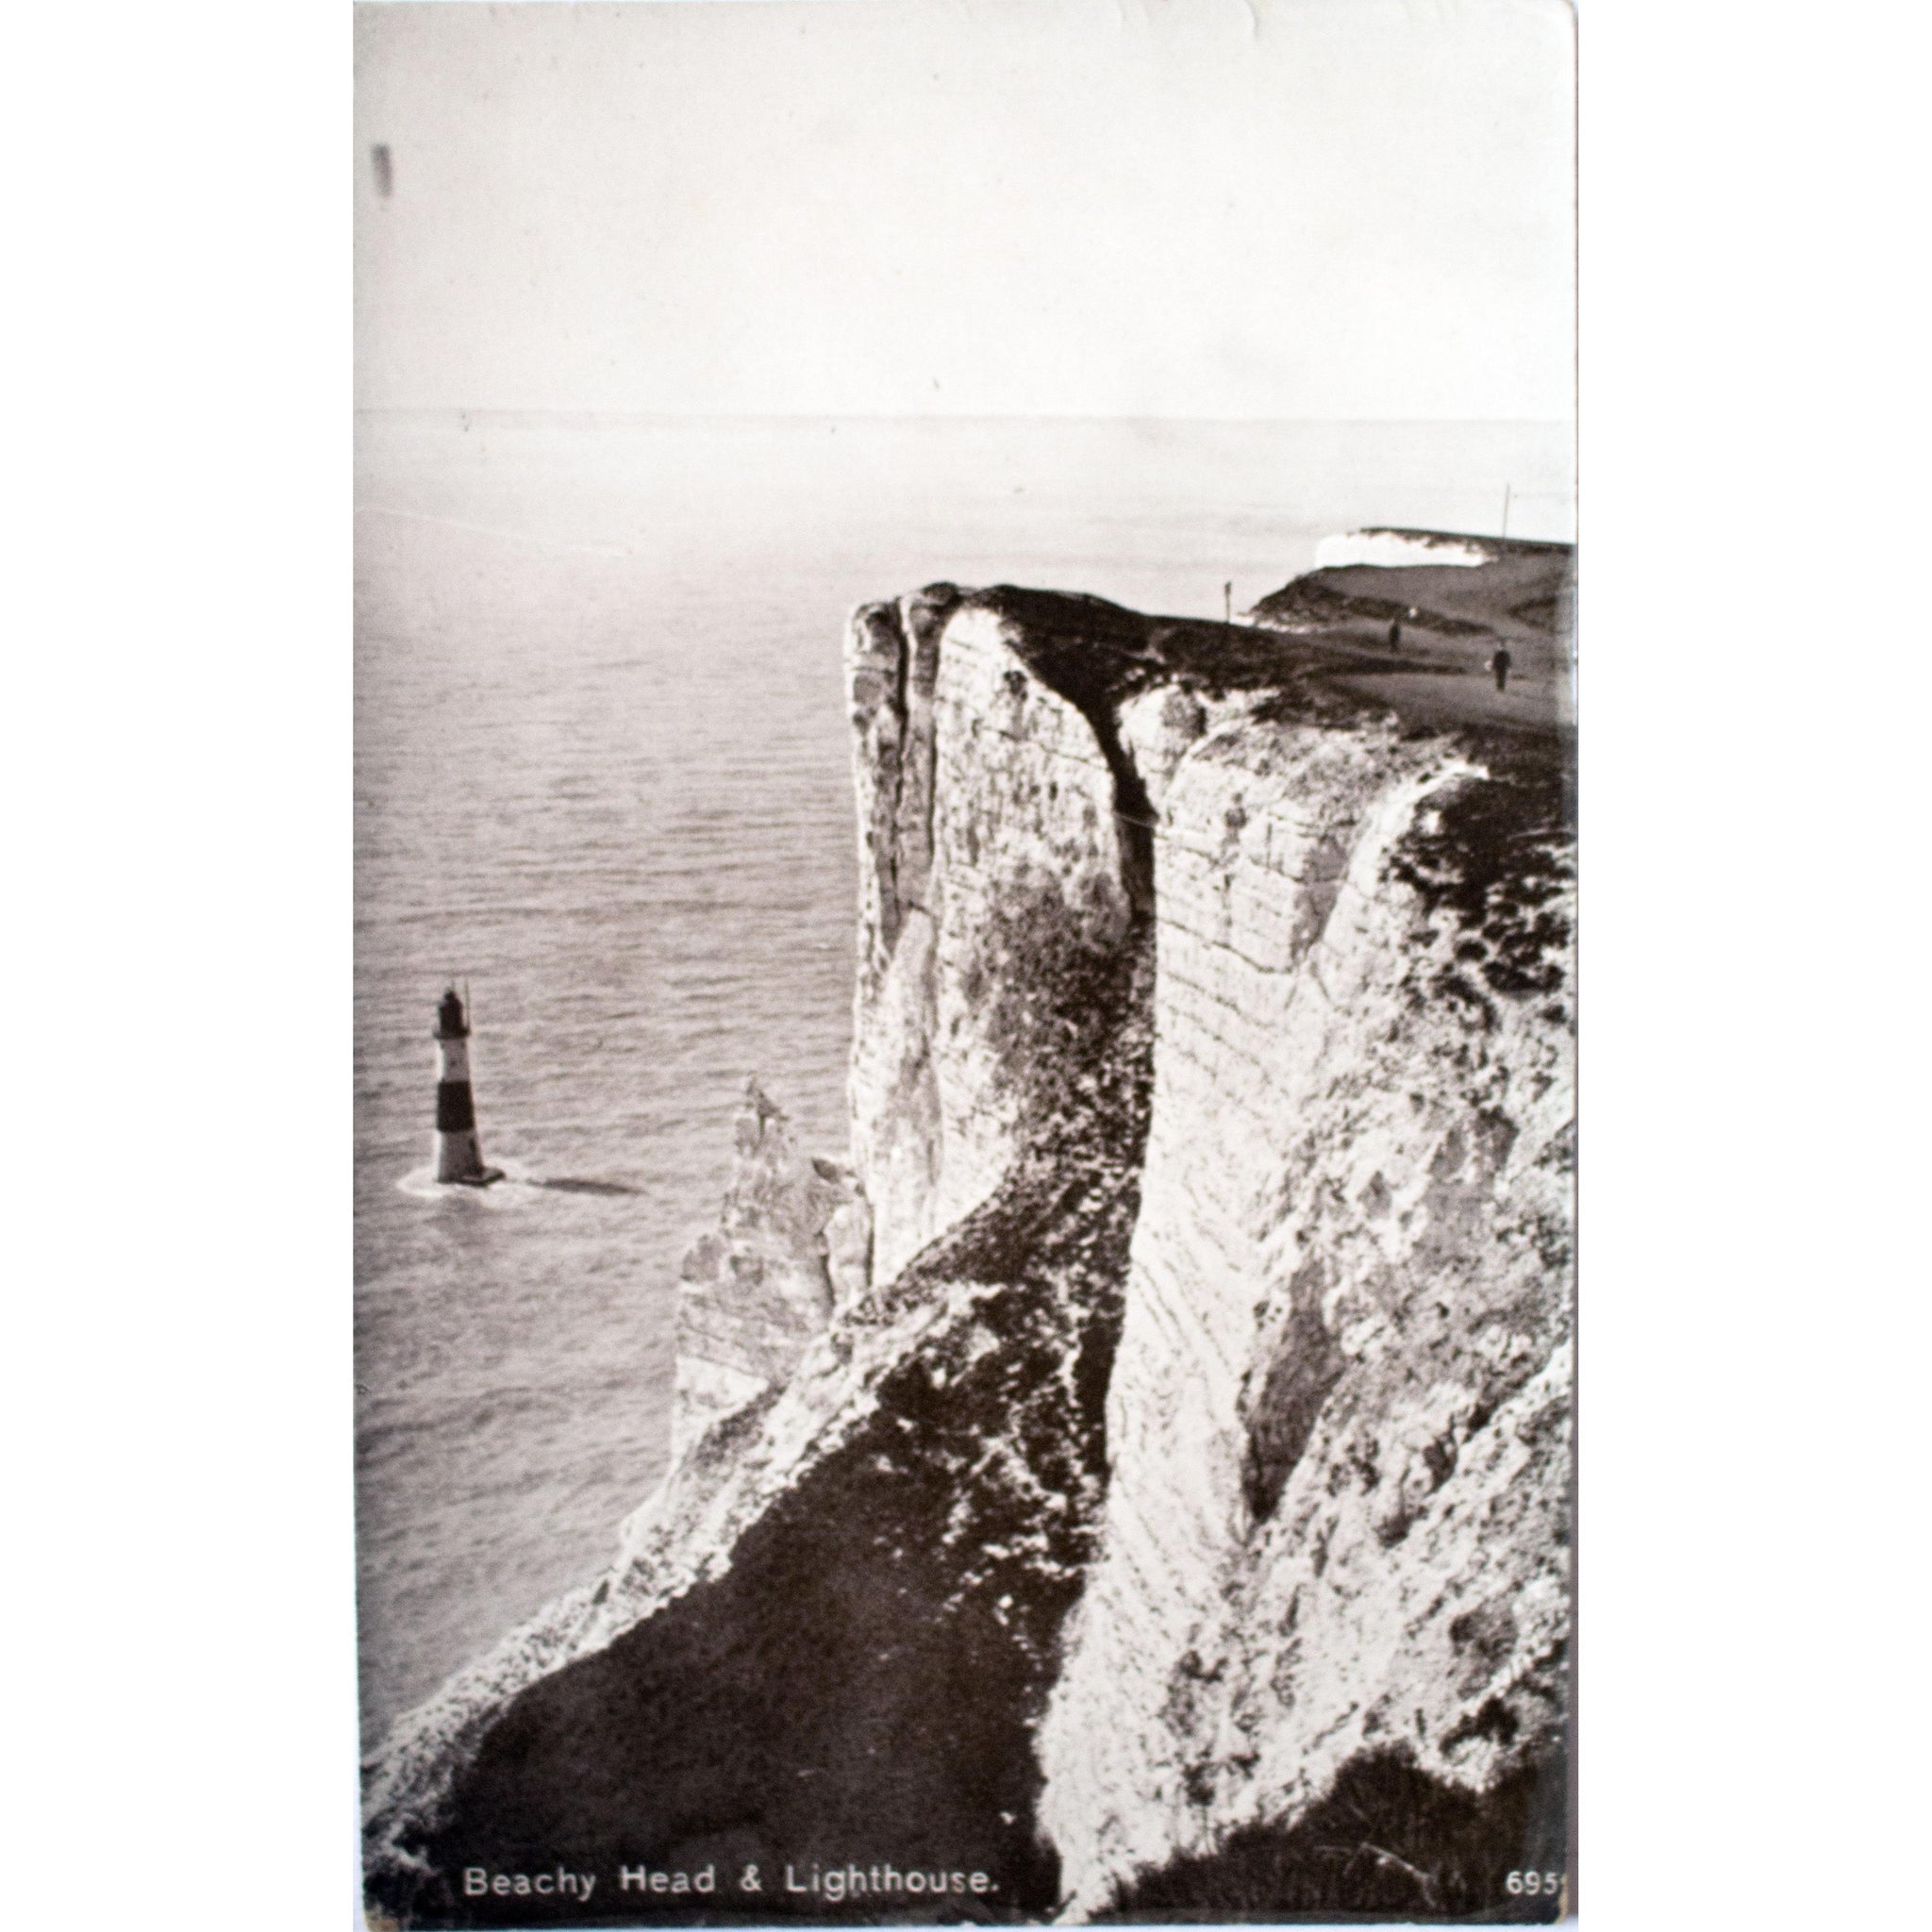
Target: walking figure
(1499,663)
(1396,635)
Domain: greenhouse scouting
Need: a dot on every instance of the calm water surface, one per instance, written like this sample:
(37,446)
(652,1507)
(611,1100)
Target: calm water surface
(602,779)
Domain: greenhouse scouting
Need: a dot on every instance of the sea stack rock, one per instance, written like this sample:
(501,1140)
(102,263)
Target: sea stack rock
(1185,1485)
(793,1245)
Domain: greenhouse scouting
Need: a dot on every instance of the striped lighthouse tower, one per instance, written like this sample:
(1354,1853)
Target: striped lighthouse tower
(458,1156)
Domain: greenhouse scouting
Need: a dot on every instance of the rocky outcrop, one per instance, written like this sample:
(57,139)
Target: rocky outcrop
(1182,1483)
(793,1242)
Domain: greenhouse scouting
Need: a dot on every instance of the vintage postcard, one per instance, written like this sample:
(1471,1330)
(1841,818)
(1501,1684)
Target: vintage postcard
(965,994)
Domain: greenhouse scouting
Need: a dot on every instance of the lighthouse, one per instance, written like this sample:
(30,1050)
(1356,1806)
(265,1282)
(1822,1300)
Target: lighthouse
(458,1156)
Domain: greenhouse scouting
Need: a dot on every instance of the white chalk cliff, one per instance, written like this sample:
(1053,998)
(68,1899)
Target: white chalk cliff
(1338,1415)
(1158,1423)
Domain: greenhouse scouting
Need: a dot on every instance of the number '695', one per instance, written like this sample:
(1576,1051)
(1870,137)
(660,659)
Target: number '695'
(1532,1884)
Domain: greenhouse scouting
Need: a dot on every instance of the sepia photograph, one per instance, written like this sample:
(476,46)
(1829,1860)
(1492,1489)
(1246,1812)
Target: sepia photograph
(965,997)
(942,732)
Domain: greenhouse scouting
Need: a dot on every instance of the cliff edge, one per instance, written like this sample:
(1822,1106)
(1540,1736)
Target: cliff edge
(1135,1479)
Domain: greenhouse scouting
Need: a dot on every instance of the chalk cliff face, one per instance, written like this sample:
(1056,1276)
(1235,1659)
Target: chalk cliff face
(1151,1442)
(992,852)
(1338,1421)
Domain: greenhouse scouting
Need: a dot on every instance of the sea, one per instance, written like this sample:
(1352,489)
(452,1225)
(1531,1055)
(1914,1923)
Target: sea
(603,787)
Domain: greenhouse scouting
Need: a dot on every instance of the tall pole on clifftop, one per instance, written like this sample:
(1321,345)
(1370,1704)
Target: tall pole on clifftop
(1227,601)
(1505,510)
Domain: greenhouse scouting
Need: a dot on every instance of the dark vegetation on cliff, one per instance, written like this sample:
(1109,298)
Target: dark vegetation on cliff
(1498,855)
(861,1684)
(1097,655)
(1388,1842)
(1325,668)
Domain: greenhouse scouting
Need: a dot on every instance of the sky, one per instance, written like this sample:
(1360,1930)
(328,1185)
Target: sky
(1329,209)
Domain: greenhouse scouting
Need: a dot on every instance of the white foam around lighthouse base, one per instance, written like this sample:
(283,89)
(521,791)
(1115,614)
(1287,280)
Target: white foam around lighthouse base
(518,1185)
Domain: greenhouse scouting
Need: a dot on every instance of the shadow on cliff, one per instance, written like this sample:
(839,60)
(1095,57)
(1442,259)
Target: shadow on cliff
(860,1687)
